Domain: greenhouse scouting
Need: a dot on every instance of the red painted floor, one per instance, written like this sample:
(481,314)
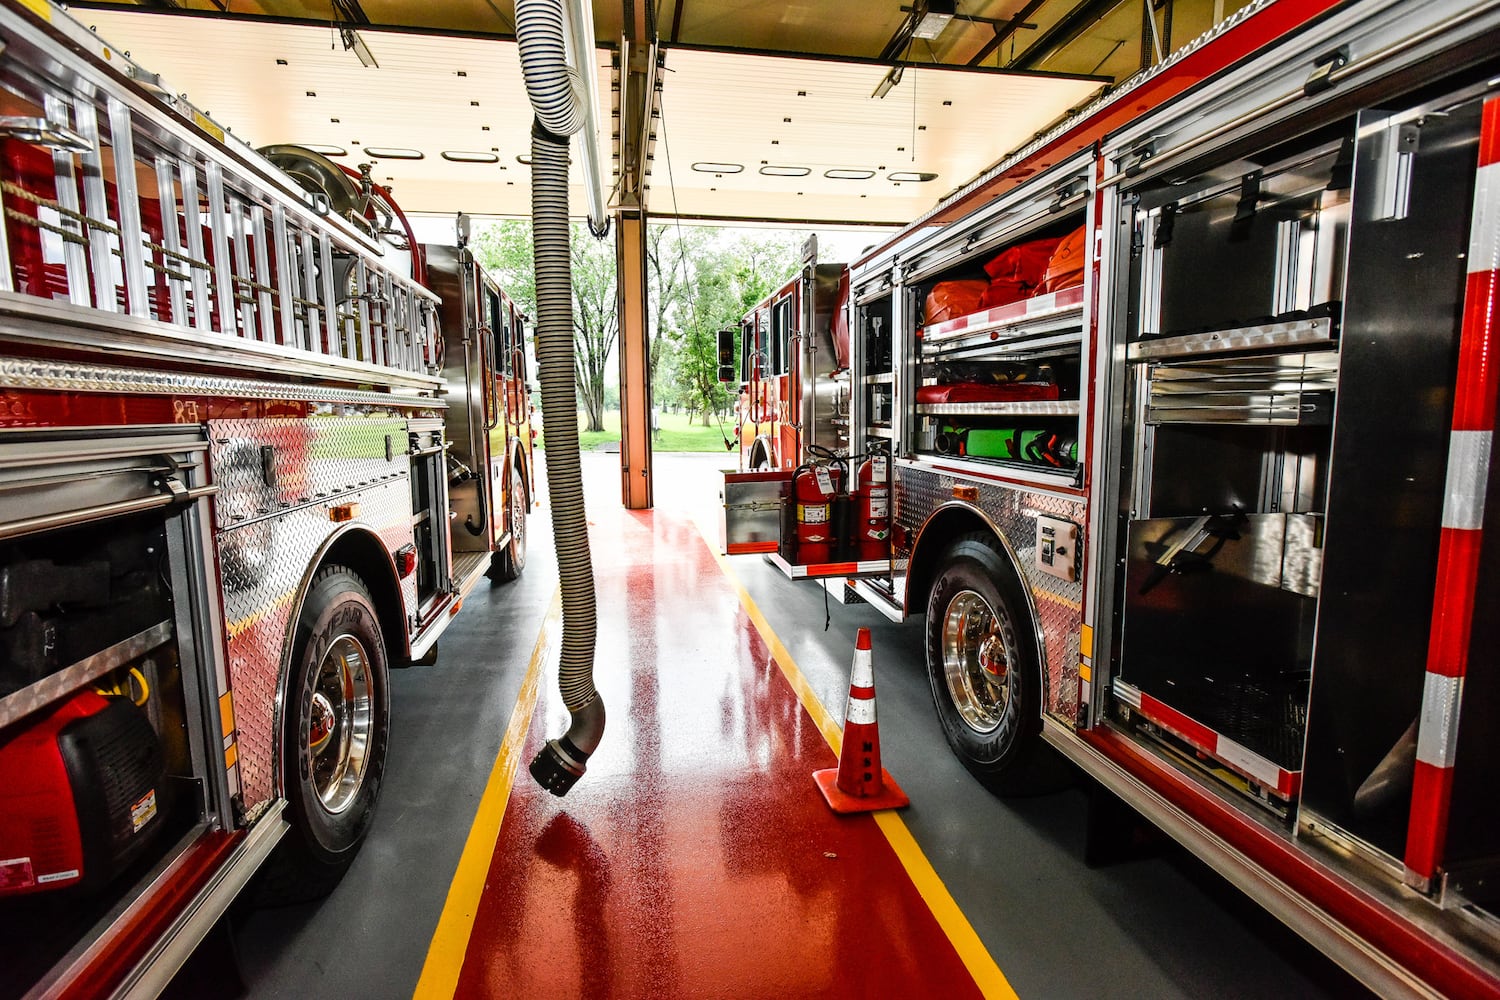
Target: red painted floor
(696,857)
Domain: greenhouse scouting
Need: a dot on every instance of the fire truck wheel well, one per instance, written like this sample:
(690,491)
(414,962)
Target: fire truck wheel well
(363,553)
(760,454)
(946,525)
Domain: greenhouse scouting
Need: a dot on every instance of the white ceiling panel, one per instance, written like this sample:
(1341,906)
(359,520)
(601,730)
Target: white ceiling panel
(435,93)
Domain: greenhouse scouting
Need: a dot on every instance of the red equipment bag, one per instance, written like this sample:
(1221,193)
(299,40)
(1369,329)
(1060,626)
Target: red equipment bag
(951,299)
(1065,269)
(1024,262)
(1003,291)
(987,392)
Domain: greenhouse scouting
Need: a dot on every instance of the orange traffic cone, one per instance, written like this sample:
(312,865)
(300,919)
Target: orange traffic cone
(859,783)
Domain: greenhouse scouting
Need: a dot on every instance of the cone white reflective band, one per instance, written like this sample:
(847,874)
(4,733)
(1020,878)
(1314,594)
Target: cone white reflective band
(1484,232)
(862,674)
(1468,477)
(1437,736)
(860,712)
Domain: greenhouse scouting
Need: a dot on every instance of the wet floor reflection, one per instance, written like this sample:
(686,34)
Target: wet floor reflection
(695,858)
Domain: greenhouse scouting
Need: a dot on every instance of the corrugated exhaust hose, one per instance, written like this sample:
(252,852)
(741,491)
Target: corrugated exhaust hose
(540,32)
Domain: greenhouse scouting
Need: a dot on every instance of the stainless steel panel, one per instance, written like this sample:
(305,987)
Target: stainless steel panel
(752,509)
(1273,389)
(1014,513)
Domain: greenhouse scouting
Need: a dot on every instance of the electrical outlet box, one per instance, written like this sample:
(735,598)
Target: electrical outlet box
(1057,547)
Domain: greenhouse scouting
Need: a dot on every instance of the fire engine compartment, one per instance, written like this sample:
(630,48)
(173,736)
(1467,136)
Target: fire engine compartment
(101,599)
(1281,466)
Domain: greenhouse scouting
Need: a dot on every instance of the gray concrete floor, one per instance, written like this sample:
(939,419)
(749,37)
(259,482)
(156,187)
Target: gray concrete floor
(1159,926)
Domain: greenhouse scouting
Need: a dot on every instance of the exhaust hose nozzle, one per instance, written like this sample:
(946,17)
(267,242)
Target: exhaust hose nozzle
(558,766)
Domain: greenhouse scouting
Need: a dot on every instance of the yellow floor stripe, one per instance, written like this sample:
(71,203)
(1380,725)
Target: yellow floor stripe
(950,917)
(445,955)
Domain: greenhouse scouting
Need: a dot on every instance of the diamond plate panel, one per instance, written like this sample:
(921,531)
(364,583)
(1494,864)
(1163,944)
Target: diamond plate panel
(1014,511)
(265,466)
(265,562)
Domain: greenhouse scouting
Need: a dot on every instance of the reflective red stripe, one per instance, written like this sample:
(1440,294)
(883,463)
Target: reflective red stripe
(1191,730)
(1489,134)
(1474,396)
(1431,793)
(1453,611)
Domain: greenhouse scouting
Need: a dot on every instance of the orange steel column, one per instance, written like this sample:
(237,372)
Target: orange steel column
(635,361)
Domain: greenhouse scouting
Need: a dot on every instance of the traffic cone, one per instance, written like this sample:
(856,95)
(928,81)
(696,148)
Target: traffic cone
(859,783)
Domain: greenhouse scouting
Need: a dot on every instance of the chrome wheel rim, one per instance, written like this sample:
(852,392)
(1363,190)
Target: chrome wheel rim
(517,520)
(977,648)
(339,723)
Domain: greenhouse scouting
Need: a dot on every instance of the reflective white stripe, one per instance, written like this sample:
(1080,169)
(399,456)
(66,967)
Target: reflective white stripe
(860,711)
(863,673)
(1484,233)
(1468,477)
(1254,765)
(1437,737)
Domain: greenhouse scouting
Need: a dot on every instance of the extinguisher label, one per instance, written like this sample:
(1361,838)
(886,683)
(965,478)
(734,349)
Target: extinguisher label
(143,810)
(816,513)
(825,481)
(880,506)
(16,874)
(877,467)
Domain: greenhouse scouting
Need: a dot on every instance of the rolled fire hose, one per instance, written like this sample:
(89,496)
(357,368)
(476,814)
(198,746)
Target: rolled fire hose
(540,32)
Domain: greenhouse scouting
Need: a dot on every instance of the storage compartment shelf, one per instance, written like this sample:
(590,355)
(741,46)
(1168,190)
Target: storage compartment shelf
(1303,333)
(1294,388)
(880,432)
(1029,408)
(64,682)
(881,378)
(1015,322)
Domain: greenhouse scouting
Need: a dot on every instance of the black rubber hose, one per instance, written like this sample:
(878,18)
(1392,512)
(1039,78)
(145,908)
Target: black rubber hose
(540,31)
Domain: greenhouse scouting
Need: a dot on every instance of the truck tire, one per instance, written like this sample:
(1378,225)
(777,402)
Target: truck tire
(334,733)
(507,563)
(984,670)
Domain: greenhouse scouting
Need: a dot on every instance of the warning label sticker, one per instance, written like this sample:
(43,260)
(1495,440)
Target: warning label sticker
(879,506)
(143,810)
(16,874)
(71,873)
(816,513)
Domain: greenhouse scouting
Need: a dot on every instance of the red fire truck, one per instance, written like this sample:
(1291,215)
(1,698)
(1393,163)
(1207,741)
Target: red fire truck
(793,371)
(1191,408)
(248,460)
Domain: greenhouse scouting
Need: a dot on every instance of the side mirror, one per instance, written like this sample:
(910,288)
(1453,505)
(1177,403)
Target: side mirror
(726,356)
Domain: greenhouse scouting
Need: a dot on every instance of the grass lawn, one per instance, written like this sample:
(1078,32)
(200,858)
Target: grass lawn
(675,433)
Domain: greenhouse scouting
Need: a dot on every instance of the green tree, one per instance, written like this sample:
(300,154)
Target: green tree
(505,250)
(726,277)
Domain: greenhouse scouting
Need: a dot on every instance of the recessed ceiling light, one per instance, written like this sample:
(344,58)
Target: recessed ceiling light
(710,167)
(842,174)
(910,175)
(281,62)
(325,150)
(393,153)
(461,156)
(524,159)
(777,170)
(312,93)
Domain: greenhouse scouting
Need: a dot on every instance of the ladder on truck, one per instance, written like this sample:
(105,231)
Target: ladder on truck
(125,200)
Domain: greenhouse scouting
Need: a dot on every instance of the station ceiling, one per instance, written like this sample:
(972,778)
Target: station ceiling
(781,91)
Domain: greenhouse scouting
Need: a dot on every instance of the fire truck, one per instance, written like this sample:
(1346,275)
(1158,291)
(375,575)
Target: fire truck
(256,443)
(793,367)
(1190,409)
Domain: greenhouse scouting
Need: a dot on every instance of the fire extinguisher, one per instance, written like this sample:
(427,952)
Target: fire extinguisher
(872,504)
(816,487)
